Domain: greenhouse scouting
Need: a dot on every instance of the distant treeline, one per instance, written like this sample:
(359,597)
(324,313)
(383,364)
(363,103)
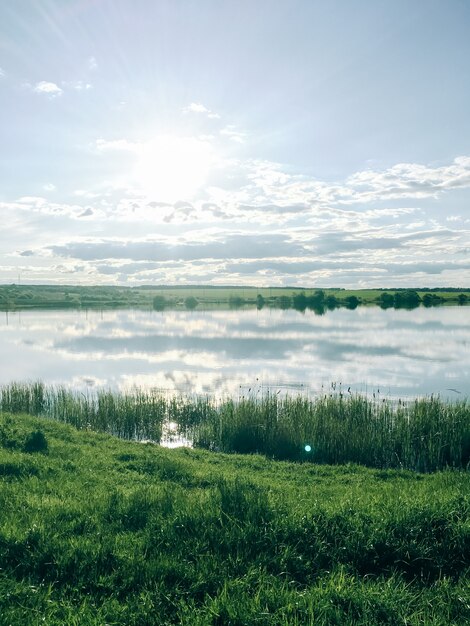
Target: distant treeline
(320,301)
(209,296)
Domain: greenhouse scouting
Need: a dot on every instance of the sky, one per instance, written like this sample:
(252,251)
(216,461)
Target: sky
(254,142)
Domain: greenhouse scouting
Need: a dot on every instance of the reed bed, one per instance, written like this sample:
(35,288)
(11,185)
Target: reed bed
(136,416)
(424,434)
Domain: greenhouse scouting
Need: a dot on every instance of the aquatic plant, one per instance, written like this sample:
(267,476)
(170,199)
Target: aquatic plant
(424,434)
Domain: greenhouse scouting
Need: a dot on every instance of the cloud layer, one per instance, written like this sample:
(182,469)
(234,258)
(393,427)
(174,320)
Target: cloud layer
(192,208)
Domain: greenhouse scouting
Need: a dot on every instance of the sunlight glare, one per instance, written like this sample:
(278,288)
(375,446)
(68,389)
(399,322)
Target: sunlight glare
(171,168)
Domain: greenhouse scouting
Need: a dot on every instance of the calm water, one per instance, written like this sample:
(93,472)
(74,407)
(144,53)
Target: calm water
(400,353)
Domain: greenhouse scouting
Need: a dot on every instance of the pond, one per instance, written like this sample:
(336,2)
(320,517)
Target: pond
(243,352)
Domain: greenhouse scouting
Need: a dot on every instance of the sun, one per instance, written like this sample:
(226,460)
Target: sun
(171,168)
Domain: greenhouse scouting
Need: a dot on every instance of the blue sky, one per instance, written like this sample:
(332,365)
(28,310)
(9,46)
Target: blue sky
(262,142)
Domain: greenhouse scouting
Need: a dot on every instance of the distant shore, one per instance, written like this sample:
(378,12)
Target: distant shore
(190,297)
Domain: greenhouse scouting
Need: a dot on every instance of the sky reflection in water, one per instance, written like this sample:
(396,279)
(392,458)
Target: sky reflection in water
(401,353)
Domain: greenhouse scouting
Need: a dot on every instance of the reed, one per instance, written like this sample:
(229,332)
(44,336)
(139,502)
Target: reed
(137,415)
(425,434)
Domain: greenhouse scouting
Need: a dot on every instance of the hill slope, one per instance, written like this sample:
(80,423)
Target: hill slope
(95,530)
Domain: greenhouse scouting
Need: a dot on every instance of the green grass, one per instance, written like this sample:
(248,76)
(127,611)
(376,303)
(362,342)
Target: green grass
(424,434)
(95,530)
(179,297)
(139,415)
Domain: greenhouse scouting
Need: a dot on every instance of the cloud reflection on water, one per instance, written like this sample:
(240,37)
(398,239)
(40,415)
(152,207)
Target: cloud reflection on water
(227,352)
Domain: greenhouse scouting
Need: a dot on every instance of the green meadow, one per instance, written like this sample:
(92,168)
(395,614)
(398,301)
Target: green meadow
(96,530)
(338,509)
(14,297)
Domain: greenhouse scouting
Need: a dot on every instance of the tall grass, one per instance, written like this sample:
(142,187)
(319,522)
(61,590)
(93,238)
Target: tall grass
(142,535)
(424,434)
(137,415)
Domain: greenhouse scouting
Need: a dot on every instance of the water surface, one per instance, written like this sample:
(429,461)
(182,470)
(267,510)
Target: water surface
(393,352)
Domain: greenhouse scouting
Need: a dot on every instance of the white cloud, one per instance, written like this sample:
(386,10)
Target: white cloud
(36,204)
(197,107)
(48,88)
(342,249)
(49,187)
(86,213)
(53,90)
(116,144)
(266,192)
(83,193)
(279,257)
(35,201)
(2,72)
(458,219)
(411,180)
(266,182)
(92,63)
(233,134)
(255,222)
(78,85)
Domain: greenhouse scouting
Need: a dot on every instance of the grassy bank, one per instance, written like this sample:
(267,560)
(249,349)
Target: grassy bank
(209,297)
(95,530)
(425,434)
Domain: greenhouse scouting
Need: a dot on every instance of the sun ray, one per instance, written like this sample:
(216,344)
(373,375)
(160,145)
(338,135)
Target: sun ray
(171,168)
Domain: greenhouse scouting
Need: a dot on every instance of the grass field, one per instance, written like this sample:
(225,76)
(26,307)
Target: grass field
(95,530)
(66,296)
(425,434)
